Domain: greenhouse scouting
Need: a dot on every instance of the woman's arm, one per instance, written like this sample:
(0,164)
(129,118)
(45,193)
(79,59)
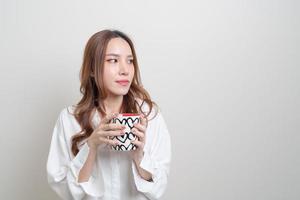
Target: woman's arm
(143,173)
(155,161)
(63,170)
(87,168)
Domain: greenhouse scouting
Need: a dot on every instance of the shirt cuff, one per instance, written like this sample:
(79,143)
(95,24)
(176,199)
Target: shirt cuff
(93,187)
(147,164)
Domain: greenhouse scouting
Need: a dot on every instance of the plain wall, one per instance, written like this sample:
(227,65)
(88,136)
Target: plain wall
(225,74)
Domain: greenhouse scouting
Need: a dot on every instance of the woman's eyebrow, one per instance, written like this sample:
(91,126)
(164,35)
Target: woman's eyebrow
(113,54)
(117,55)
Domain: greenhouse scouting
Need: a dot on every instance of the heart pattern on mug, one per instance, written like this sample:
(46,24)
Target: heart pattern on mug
(125,139)
(129,121)
(124,148)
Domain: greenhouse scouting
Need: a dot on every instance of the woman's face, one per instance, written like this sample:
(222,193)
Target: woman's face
(118,67)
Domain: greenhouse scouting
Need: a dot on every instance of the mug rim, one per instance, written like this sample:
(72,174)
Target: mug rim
(129,114)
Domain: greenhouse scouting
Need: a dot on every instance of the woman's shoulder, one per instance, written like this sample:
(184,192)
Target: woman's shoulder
(155,117)
(67,112)
(156,127)
(67,117)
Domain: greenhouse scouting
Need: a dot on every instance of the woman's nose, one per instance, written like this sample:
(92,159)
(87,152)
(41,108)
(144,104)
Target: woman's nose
(123,68)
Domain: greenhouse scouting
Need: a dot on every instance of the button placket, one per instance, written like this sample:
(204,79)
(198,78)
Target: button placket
(115,186)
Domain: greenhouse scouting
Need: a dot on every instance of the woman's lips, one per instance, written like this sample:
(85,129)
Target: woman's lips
(123,83)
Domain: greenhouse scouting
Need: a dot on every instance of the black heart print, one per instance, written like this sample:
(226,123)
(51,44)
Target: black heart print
(127,136)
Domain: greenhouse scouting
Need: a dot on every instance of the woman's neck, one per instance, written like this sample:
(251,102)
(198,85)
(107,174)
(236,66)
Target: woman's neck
(113,104)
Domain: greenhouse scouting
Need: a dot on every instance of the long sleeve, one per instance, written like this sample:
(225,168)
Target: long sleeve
(156,160)
(62,170)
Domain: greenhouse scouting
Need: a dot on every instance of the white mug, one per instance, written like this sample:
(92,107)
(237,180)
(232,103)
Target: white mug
(127,119)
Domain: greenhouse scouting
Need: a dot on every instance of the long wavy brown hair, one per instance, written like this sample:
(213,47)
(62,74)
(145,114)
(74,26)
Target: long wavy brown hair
(92,87)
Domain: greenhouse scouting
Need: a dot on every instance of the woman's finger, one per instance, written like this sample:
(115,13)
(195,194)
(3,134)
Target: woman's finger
(140,127)
(139,134)
(108,127)
(108,117)
(109,141)
(143,120)
(112,133)
(139,144)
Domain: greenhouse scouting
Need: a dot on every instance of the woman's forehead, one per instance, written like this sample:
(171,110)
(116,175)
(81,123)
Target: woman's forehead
(118,47)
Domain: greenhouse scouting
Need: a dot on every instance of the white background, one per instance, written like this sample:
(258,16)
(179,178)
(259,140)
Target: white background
(225,74)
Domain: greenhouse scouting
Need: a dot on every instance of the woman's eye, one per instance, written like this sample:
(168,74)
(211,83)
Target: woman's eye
(130,61)
(112,60)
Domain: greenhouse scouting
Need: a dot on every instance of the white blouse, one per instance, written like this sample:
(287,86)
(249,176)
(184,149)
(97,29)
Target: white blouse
(114,175)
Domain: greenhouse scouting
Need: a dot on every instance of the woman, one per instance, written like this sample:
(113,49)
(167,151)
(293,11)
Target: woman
(81,164)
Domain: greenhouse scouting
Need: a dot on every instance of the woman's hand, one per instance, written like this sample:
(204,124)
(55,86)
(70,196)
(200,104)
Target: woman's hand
(105,131)
(137,155)
(139,130)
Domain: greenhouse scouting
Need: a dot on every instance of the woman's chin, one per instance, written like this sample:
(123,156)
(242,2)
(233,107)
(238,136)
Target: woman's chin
(120,93)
